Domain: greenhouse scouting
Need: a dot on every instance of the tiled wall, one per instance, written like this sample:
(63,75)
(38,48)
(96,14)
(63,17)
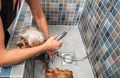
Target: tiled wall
(62,12)
(100,30)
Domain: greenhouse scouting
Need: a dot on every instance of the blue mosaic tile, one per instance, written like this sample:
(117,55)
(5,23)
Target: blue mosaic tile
(110,18)
(110,71)
(110,39)
(117,40)
(110,50)
(117,74)
(110,30)
(113,76)
(107,73)
(118,5)
(114,45)
(114,12)
(117,51)
(5,71)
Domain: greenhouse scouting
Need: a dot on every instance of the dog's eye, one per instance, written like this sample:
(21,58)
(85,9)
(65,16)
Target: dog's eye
(26,42)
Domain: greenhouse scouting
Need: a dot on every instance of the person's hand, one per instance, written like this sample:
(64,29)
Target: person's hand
(52,45)
(51,54)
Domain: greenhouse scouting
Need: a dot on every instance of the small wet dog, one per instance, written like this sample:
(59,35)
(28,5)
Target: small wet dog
(57,73)
(31,37)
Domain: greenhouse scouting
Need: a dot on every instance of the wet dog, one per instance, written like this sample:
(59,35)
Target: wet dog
(30,37)
(57,73)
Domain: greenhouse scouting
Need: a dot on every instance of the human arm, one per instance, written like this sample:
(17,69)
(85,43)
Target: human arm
(40,19)
(39,16)
(9,57)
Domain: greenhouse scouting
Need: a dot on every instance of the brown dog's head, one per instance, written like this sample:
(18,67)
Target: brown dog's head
(30,37)
(57,73)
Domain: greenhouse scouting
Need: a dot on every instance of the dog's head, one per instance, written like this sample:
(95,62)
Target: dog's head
(30,37)
(57,73)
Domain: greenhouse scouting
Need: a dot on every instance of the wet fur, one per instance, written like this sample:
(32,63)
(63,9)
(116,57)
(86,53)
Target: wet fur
(30,37)
(57,73)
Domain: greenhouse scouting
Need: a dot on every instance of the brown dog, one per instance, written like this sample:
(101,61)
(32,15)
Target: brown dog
(57,73)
